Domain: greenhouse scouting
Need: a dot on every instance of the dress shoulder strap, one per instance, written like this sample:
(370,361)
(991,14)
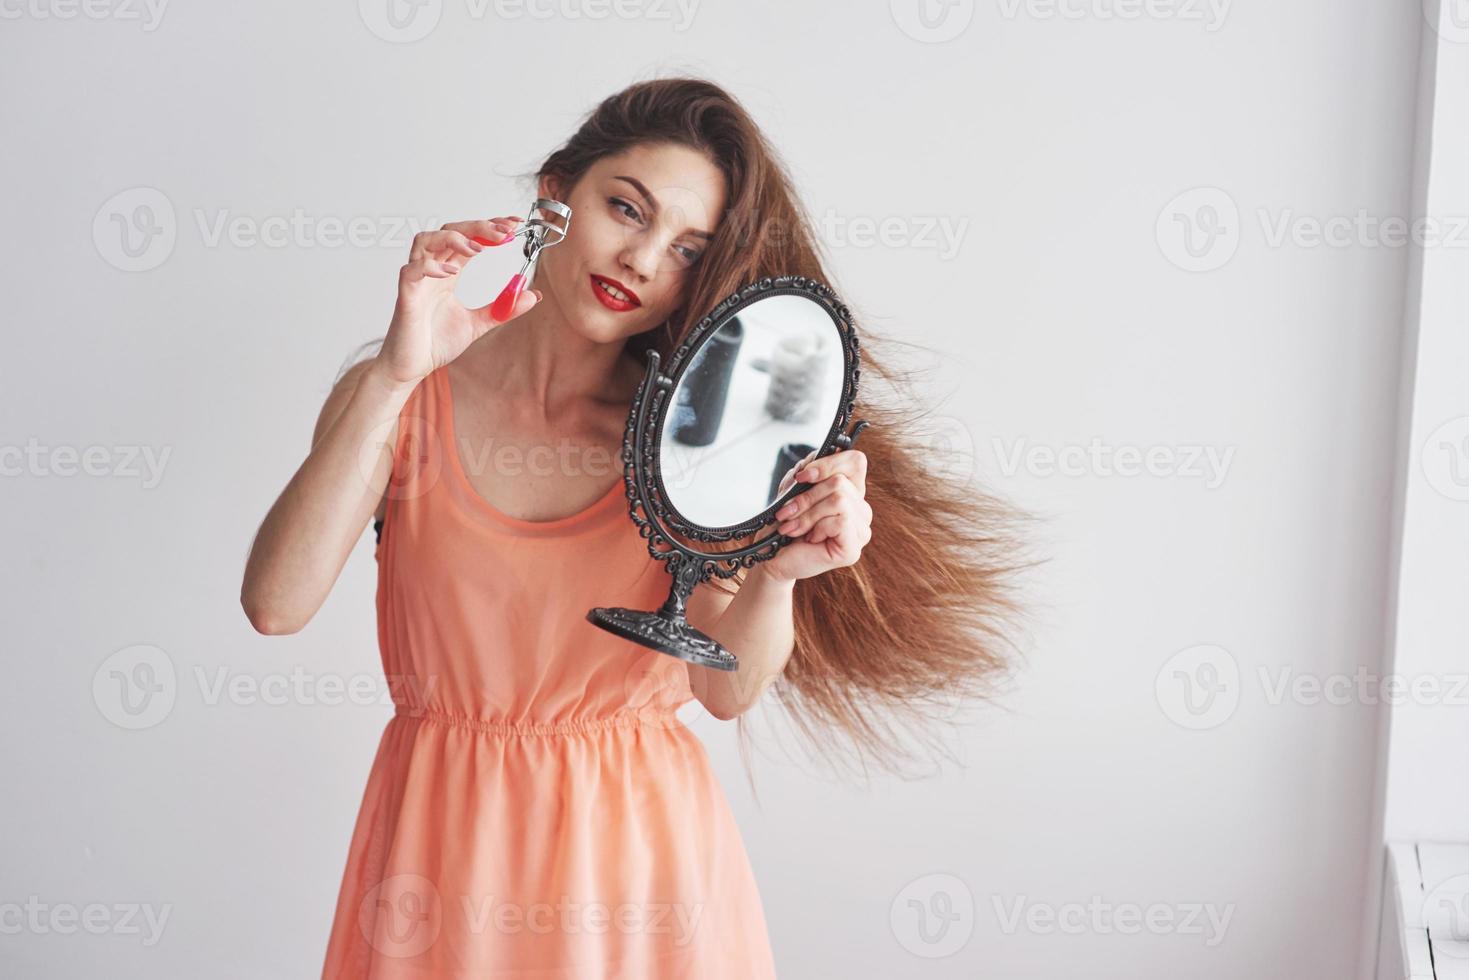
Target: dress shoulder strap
(416,407)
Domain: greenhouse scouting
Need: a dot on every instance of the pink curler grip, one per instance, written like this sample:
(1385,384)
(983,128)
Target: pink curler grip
(504,304)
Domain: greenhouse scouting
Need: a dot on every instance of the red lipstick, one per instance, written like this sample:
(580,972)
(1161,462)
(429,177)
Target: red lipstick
(611,302)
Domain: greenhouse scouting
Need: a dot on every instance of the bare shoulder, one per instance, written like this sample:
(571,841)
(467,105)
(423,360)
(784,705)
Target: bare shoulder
(336,403)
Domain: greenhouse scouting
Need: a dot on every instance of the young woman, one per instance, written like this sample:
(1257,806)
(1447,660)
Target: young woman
(535,808)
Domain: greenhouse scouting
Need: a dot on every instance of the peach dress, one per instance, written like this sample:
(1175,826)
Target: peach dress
(535,809)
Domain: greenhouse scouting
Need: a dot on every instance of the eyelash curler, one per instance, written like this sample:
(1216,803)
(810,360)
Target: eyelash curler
(539,227)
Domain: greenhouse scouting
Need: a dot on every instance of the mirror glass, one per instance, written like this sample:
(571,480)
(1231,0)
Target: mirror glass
(758,396)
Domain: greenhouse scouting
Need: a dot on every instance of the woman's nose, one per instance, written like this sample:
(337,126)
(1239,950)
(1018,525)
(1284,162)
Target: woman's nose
(639,258)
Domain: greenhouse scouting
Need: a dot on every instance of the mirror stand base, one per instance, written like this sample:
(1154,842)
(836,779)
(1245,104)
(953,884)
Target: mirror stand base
(662,633)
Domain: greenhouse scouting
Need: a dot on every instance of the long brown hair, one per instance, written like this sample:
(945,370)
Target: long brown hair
(923,622)
(925,618)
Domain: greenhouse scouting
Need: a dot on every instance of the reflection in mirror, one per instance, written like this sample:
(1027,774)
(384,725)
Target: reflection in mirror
(758,398)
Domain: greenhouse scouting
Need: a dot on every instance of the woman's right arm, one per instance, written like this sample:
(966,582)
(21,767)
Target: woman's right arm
(306,537)
(311,529)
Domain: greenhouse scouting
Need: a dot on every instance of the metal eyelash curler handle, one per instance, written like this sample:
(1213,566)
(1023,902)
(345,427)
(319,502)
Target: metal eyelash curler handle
(539,231)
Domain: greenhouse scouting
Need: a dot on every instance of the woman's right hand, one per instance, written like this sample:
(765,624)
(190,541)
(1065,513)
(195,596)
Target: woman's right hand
(430,326)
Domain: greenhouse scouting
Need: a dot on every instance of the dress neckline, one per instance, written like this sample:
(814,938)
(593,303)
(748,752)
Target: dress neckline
(593,515)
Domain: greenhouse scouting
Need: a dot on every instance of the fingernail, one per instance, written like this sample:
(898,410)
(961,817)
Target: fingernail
(786,511)
(787,527)
(480,241)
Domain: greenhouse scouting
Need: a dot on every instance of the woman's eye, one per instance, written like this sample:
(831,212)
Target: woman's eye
(628,209)
(624,207)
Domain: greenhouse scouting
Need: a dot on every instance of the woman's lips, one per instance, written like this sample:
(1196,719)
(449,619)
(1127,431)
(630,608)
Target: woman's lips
(610,301)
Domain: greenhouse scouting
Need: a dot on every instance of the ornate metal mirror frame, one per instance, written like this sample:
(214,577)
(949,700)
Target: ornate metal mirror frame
(659,521)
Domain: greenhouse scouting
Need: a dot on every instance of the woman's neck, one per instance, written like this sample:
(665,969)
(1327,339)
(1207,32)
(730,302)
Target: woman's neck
(543,365)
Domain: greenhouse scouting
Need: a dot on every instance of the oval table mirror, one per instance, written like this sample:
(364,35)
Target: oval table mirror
(767,379)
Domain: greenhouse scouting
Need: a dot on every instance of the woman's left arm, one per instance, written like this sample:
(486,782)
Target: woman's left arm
(831,522)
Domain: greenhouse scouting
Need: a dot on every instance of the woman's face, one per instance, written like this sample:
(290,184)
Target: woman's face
(640,222)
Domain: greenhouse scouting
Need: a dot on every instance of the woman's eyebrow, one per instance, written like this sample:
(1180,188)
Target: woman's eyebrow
(653,201)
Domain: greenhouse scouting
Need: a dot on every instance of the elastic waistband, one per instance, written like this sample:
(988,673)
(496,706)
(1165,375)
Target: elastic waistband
(500,726)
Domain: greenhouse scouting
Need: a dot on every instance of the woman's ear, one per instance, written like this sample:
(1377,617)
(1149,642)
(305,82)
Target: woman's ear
(549,186)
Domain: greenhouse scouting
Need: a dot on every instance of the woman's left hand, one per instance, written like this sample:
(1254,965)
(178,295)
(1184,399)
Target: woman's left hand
(831,521)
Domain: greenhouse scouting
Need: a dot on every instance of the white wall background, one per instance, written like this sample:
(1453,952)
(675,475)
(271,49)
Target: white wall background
(1427,793)
(1068,309)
